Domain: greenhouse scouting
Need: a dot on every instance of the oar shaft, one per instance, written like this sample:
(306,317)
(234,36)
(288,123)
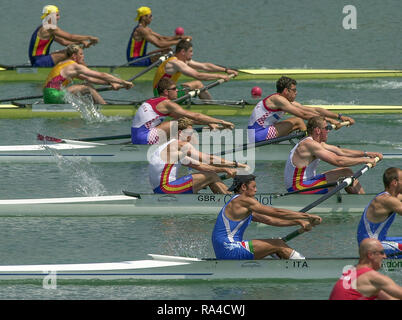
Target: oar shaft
(245,146)
(139,74)
(196,92)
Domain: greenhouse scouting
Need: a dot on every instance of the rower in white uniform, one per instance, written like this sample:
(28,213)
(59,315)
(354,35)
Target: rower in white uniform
(149,119)
(265,124)
(165,162)
(301,166)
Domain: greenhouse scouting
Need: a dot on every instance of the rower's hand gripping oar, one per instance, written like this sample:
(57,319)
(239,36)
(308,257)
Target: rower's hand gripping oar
(345,183)
(196,92)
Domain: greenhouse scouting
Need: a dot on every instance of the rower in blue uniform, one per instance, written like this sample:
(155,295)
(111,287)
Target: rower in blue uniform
(380,213)
(237,214)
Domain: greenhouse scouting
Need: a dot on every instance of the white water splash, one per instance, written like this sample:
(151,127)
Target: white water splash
(83,175)
(84,104)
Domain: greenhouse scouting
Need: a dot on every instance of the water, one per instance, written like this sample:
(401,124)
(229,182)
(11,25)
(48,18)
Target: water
(265,34)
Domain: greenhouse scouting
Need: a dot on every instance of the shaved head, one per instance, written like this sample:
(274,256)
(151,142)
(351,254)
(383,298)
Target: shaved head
(369,245)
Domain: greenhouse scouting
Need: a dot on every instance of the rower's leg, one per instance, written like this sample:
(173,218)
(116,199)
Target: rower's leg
(265,247)
(85,89)
(335,174)
(210,179)
(289,125)
(192,85)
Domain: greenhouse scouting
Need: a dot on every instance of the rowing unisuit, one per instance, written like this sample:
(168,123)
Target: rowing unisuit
(161,73)
(163,176)
(262,121)
(55,82)
(227,237)
(305,177)
(137,49)
(39,50)
(368,229)
(343,287)
(146,119)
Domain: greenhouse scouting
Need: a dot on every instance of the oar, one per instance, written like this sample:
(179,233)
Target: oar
(345,183)
(196,92)
(323,186)
(61,140)
(296,135)
(153,65)
(107,88)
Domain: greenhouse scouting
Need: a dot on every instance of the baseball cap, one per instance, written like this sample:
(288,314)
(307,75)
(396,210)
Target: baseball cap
(240,179)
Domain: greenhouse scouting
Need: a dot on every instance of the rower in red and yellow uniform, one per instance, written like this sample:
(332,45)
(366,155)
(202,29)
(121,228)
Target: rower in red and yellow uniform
(142,34)
(62,74)
(166,160)
(182,63)
(45,34)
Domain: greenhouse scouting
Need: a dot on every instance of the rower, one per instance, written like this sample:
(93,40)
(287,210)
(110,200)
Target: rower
(182,63)
(300,169)
(44,35)
(142,34)
(264,121)
(166,160)
(74,67)
(363,281)
(380,213)
(237,214)
(149,118)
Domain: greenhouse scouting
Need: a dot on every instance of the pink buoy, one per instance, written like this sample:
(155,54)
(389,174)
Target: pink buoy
(179,31)
(256,92)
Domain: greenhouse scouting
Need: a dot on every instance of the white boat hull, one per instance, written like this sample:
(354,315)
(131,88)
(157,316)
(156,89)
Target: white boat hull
(179,268)
(104,153)
(163,205)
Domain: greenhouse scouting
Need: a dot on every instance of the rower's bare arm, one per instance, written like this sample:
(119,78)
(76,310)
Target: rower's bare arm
(292,108)
(323,153)
(273,221)
(156,39)
(193,73)
(393,204)
(387,285)
(74,37)
(286,214)
(102,77)
(177,112)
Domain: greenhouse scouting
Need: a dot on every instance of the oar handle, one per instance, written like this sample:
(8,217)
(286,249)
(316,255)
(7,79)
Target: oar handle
(340,125)
(196,92)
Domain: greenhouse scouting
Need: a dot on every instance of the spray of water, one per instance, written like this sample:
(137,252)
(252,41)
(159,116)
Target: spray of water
(84,104)
(84,178)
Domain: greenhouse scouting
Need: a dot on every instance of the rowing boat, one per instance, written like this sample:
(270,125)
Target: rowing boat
(98,152)
(29,110)
(143,204)
(162,267)
(28,73)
